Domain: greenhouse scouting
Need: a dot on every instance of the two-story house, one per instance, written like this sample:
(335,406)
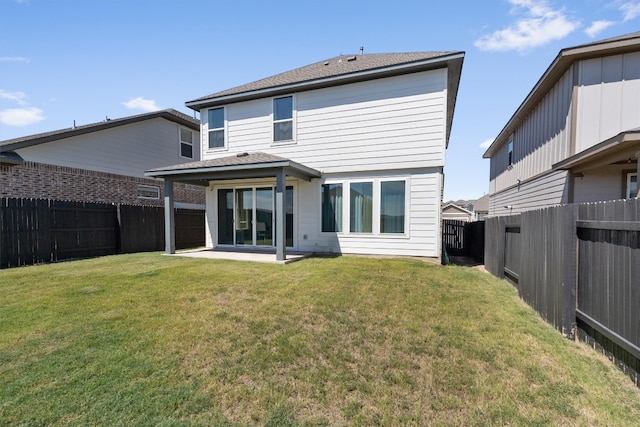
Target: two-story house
(576,136)
(342,156)
(104,161)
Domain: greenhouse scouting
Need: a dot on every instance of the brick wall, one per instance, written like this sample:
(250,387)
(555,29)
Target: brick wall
(44,181)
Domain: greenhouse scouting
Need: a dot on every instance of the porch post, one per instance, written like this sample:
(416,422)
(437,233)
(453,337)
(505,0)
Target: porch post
(281,251)
(169,219)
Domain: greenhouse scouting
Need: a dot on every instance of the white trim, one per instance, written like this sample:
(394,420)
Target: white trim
(376,206)
(180,142)
(224,128)
(293,121)
(252,185)
(149,188)
(628,194)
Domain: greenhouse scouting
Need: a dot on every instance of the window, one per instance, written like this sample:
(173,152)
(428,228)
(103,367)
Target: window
(376,207)
(510,151)
(148,192)
(392,207)
(632,185)
(361,205)
(216,127)
(186,143)
(283,119)
(331,207)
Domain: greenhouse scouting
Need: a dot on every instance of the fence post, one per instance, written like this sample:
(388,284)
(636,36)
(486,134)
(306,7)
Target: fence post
(569,269)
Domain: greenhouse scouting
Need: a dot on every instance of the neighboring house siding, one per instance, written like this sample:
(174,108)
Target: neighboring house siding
(608,98)
(43,181)
(542,139)
(546,190)
(124,150)
(600,185)
(385,124)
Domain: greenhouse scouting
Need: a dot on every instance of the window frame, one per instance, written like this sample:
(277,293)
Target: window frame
(183,142)
(292,120)
(627,188)
(150,188)
(510,152)
(217,129)
(376,225)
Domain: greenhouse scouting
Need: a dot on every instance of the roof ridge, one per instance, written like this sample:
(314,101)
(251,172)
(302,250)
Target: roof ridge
(43,137)
(327,68)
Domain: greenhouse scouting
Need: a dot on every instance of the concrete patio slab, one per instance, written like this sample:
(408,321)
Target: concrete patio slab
(237,255)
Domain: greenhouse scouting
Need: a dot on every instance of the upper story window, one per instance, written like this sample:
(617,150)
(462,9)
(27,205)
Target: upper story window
(186,143)
(510,151)
(215,122)
(283,119)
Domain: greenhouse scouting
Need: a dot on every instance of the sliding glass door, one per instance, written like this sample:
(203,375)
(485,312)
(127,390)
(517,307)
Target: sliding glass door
(264,216)
(246,216)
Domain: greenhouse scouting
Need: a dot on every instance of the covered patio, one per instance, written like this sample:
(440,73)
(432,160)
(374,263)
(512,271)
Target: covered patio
(622,150)
(239,166)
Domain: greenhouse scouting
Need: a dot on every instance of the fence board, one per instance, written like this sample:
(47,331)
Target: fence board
(576,259)
(35,231)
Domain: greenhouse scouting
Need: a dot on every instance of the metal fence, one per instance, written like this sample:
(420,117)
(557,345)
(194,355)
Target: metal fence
(579,267)
(34,231)
(461,238)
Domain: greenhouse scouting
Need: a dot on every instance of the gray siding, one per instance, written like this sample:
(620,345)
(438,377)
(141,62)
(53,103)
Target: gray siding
(608,98)
(124,150)
(546,190)
(542,139)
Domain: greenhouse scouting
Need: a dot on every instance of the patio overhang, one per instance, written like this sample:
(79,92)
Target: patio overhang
(622,148)
(239,166)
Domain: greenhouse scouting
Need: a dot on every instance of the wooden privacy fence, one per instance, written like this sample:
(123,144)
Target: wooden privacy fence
(461,238)
(35,231)
(579,267)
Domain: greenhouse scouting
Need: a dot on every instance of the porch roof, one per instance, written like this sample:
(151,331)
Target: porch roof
(622,148)
(241,165)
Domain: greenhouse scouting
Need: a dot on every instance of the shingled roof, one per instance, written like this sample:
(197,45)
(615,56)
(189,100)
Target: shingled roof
(41,138)
(338,70)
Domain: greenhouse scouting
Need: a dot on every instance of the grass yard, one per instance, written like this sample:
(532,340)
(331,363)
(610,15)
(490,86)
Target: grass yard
(146,339)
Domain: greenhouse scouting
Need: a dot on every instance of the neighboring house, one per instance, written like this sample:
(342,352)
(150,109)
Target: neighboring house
(576,136)
(458,213)
(103,162)
(343,156)
(481,207)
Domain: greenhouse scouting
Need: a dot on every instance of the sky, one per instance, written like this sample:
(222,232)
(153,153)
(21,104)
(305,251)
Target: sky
(85,60)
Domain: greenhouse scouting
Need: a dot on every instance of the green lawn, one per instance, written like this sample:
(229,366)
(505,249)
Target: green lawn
(146,339)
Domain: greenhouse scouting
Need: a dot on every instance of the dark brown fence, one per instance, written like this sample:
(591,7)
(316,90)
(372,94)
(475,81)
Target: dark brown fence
(461,238)
(579,267)
(36,231)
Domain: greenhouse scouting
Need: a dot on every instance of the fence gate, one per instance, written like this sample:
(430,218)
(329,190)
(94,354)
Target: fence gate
(453,237)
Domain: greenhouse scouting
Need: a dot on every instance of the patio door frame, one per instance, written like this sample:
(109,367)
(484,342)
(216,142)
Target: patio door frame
(254,188)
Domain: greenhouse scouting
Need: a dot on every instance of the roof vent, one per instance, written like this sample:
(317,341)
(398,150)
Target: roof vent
(326,62)
(351,58)
(245,154)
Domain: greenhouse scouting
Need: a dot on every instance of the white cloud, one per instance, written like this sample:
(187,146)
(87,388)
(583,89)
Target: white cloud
(21,116)
(487,143)
(140,103)
(597,26)
(539,25)
(630,9)
(14,59)
(19,97)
